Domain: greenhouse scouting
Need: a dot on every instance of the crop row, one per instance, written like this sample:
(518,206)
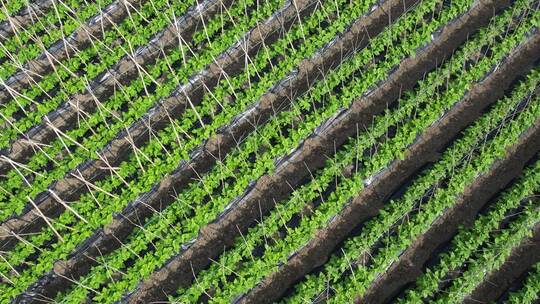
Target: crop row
(210,278)
(85,207)
(492,256)
(73,74)
(201,191)
(157,143)
(60,21)
(195,193)
(393,245)
(10,8)
(232,207)
(265,233)
(163,142)
(101,131)
(315,285)
(530,292)
(186,148)
(159,203)
(468,241)
(13,8)
(153,147)
(282,249)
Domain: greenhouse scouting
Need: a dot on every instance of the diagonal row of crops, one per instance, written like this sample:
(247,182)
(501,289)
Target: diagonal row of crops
(292,151)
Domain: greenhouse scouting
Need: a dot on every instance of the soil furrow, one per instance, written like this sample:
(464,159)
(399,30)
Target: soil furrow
(72,185)
(520,261)
(231,62)
(411,262)
(247,199)
(202,159)
(18,21)
(312,154)
(368,203)
(104,86)
(62,49)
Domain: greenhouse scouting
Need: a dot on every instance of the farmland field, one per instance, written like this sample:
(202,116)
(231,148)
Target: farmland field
(278,151)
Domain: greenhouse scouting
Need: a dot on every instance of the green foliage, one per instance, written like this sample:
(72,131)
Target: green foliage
(197,192)
(10,8)
(60,21)
(315,203)
(247,243)
(530,292)
(98,196)
(443,199)
(468,241)
(380,226)
(495,253)
(16,188)
(93,61)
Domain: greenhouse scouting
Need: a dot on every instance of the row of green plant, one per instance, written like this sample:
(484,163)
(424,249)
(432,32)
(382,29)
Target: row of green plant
(530,291)
(101,120)
(323,280)
(167,136)
(236,188)
(126,255)
(262,233)
(74,74)
(222,197)
(104,131)
(219,202)
(209,277)
(468,241)
(184,204)
(393,245)
(15,180)
(11,8)
(60,21)
(144,183)
(495,253)
(374,230)
(252,271)
(150,154)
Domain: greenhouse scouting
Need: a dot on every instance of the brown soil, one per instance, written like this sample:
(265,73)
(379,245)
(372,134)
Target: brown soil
(410,264)
(62,49)
(292,170)
(107,239)
(312,153)
(521,260)
(371,199)
(72,186)
(18,21)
